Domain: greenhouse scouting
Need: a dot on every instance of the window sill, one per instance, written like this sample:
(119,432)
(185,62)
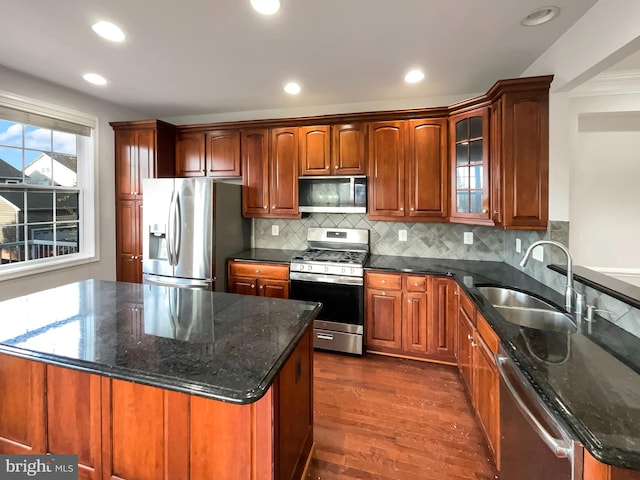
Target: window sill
(21,270)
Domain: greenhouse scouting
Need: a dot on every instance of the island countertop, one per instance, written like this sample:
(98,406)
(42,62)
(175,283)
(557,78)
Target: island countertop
(217,345)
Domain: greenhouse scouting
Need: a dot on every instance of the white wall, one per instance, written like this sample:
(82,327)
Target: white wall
(24,85)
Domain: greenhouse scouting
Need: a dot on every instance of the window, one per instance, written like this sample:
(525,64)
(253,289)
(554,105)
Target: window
(46,186)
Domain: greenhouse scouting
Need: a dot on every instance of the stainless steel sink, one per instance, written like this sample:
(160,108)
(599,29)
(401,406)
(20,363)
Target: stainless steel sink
(525,310)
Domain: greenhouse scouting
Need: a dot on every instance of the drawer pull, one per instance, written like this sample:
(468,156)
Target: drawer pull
(324,336)
(383,281)
(469,337)
(253,285)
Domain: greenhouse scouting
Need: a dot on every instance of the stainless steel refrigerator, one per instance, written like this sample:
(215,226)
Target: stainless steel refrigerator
(189,228)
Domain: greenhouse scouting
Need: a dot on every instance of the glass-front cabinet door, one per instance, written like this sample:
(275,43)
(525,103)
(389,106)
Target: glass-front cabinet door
(469,133)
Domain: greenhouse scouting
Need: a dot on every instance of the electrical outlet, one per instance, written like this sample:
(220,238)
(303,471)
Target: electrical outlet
(402,235)
(538,253)
(468,238)
(518,245)
(275,230)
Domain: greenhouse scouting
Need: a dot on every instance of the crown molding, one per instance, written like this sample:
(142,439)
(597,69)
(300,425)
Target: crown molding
(617,82)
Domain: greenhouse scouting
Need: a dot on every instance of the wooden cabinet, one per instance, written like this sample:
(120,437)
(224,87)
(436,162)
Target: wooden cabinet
(126,430)
(270,179)
(410,315)
(213,153)
(477,344)
(520,155)
(408,170)
(469,133)
(333,150)
(144,149)
(257,278)
(595,470)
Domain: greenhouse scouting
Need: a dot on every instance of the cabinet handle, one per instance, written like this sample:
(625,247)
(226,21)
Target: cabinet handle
(415,284)
(326,167)
(274,206)
(253,286)
(469,337)
(484,210)
(384,293)
(402,209)
(265,207)
(133,257)
(383,281)
(412,209)
(261,287)
(257,270)
(474,344)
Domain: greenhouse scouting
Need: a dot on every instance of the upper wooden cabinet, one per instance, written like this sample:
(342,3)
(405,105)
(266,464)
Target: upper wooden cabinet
(270,180)
(214,153)
(520,158)
(469,132)
(144,149)
(408,170)
(333,149)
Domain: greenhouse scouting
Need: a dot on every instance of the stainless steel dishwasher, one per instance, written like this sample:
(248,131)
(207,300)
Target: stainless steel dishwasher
(533,443)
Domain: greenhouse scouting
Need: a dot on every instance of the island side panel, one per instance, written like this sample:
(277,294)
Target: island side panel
(294,411)
(22,406)
(73,418)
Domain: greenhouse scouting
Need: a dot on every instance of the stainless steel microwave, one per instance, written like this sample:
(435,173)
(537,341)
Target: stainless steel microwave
(333,194)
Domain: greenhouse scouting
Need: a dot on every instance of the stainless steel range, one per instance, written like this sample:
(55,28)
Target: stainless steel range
(331,271)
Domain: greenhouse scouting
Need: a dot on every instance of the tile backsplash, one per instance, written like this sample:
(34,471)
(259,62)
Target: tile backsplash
(445,240)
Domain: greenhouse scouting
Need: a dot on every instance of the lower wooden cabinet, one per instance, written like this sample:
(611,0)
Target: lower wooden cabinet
(595,470)
(410,315)
(128,431)
(258,278)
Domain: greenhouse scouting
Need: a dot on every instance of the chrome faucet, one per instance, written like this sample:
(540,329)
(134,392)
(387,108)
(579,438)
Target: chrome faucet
(570,291)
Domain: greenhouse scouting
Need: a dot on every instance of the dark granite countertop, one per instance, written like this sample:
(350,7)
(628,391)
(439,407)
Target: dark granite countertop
(217,345)
(272,255)
(590,379)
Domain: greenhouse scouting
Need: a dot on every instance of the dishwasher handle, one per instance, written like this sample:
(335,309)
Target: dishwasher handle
(560,447)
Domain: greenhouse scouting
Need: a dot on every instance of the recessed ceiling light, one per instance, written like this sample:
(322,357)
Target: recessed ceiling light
(266,7)
(414,76)
(292,88)
(540,15)
(109,31)
(94,78)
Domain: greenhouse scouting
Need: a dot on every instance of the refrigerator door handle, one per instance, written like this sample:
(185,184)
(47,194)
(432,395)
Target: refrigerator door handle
(171,228)
(177,282)
(178,224)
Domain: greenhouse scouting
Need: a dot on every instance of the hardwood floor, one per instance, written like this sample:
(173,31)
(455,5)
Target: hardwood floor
(381,418)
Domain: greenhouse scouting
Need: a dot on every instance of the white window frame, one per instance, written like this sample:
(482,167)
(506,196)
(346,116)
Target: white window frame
(88,201)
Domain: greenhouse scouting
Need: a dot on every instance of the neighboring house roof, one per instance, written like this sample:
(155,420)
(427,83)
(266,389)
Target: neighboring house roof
(69,161)
(9,172)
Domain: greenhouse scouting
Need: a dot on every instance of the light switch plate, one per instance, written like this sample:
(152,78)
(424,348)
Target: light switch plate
(538,253)
(275,230)
(518,245)
(402,235)
(468,238)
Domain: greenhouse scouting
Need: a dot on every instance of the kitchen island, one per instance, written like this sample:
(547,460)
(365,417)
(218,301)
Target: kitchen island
(147,382)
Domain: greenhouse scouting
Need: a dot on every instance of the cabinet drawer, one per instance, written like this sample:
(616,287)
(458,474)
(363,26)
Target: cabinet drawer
(259,270)
(384,280)
(416,283)
(467,305)
(488,335)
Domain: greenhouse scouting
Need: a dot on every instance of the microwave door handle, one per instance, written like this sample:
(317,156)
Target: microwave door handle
(559,447)
(352,192)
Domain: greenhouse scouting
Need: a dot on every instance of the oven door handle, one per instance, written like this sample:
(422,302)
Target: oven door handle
(560,447)
(321,278)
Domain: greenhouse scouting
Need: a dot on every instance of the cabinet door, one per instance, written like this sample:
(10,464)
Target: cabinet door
(486,391)
(315,155)
(469,134)
(128,241)
(386,170)
(414,332)
(525,160)
(384,319)
(73,418)
(283,175)
(348,149)
(22,410)
(465,342)
(495,153)
(243,285)
(273,288)
(223,153)
(135,160)
(427,167)
(255,165)
(442,319)
(190,161)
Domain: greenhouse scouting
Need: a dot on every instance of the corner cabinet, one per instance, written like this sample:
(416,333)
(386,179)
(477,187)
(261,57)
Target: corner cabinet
(469,132)
(408,171)
(412,316)
(143,149)
(270,178)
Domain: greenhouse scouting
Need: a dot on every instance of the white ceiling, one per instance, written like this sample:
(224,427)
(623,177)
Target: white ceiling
(204,57)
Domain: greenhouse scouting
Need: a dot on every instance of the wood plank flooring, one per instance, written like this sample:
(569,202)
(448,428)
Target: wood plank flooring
(382,418)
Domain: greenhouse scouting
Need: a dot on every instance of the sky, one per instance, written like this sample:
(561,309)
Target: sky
(34,140)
